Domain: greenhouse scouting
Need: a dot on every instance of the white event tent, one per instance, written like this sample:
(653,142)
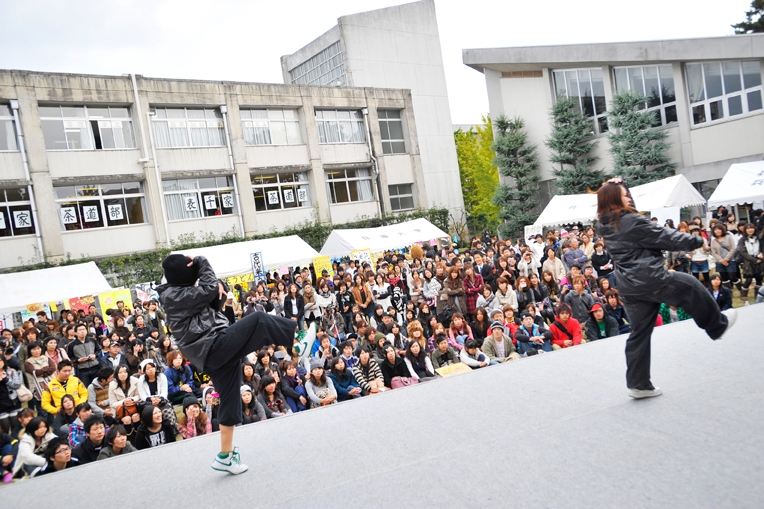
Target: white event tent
(342,242)
(234,259)
(55,284)
(743,183)
(670,193)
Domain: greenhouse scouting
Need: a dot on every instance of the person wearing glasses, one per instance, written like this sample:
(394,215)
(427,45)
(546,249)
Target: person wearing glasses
(59,457)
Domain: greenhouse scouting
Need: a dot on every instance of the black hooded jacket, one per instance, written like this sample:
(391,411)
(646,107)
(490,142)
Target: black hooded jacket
(635,244)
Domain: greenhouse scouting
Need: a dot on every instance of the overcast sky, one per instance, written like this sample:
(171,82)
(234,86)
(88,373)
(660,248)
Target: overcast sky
(243,40)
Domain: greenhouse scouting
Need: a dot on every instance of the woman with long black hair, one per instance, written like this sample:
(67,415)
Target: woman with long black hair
(636,245)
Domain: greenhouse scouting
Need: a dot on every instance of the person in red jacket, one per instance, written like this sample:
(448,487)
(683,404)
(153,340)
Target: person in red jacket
(566,330)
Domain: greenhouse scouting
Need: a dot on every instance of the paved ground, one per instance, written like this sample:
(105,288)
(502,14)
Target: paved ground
(555,430)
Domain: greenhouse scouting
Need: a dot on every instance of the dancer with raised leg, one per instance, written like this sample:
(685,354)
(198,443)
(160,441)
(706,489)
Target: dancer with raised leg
(205,337)
(635,244)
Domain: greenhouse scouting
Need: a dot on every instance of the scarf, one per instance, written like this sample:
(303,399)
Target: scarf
(752,246)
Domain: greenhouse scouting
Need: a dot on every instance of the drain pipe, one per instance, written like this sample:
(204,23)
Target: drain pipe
(378,180)
(14,103)
(158,175)
(224,111)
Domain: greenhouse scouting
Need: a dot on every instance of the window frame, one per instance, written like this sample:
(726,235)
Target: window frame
(200,192)
(9,118)
(217,118)
(322,68)
(299,180)
(724,98)
(6,209)
(600,118)
(89,120)
(663,106)
(333,183)
(102,197)
(328,122)
(390,143)
(398,196)
(267,120)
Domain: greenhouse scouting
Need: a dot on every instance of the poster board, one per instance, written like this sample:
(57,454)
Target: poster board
(532,230)
(363,255)
(322,263)
(453,369)
(108,300)
(32,309)
(83,303)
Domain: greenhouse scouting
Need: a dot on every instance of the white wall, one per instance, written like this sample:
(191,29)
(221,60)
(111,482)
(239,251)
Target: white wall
(16,251)
(190,159)
(109,241)
(398,169)
(281,219)
(88,163)
(727,140)
(11,166)
(217,225)
(277,155)
(345,153)
(347,212)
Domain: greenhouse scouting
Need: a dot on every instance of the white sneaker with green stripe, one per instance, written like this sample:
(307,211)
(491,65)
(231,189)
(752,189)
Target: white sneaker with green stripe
(231,463)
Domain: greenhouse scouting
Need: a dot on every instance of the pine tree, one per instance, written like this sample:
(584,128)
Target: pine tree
(571,150)
(518,160)
(478,175)
(639,152)
(749,26)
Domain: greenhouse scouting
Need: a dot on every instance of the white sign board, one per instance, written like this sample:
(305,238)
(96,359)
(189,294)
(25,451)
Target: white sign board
(227,200)
(191,203)
(258,268)
(115,212)
(533,230)
(273,197)
(210,202)
(302,195)
(288,196)
(2,221)
(90,213)
(68,215)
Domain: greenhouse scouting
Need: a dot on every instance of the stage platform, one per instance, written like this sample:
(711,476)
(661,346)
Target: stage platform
(555,430)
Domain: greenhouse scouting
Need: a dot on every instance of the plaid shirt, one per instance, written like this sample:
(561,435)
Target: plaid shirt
(473,292)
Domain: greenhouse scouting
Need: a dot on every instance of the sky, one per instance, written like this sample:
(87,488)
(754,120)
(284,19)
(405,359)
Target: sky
(243,40)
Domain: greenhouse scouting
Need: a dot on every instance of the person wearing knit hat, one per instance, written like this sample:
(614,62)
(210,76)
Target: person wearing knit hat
(600,324)
(192,299)
(194,422)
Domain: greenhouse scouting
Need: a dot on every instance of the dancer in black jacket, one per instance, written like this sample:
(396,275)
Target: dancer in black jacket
(635,244)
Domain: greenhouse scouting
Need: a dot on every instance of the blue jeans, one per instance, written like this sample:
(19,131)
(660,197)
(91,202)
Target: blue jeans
(296,405)
(461,338)
(523,348)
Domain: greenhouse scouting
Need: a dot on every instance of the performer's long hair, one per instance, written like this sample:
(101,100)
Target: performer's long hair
(610,204)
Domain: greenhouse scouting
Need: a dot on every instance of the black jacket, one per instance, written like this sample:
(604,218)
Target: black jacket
(599,261)
(87,452)
(390,371)
(288,307)
(190,315)
(635,245)
(724,299)
(593,331)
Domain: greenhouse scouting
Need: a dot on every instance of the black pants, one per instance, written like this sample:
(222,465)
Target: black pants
(224,360)
(87,375)
(681,290)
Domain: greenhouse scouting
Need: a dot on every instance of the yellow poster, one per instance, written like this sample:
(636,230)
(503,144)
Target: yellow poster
(108,300)
(453,369)
(242,280)
(322,263)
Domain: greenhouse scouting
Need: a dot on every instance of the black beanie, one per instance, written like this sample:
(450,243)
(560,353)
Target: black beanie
(177,271)
(189,400)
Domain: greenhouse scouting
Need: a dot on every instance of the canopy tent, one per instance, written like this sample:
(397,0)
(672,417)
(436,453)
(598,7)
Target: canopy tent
(234,259)
(50,285)
(669,193)
(743,183)
(342,242)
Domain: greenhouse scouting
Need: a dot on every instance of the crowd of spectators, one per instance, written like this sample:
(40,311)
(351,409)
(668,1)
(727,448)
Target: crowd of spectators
(81,387)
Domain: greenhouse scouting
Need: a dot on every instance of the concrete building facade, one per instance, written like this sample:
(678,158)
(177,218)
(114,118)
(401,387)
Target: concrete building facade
(95,166)
(395,47)
(707,93)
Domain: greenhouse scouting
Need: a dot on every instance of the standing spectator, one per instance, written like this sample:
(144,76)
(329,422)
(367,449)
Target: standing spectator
(553,265)
(723,249)
(39,371)
(699,256)
(84,351)
(473,284)
(574,254)
(751,250)
(10,380)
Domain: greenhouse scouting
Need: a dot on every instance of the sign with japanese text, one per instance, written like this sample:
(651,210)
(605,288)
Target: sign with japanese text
(227,200)
(83,303)
(191,203)
(68,215)
(322,263)
(115,212)
(258,267)
(210,201)
(302,195)
(363,255)
(90,213)
(22,218)
(288,196)
(2,221)
(533,230)
(108,300)
(273,197)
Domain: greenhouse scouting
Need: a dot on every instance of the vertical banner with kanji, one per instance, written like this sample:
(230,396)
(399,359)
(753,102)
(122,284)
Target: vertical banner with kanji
(258,267)
(322,263)
(533,230)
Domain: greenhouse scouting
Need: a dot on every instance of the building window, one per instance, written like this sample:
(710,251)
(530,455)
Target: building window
(656,82)
(7,129)
(202,197)
(707,187)
(324,68)
(188,127)
(270,127)
(278,191)
(15,212)
(719,90)
(340,126)
(401,197)
(586,88)
(100,205)
(87,127)
(391,130)
(345,186)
